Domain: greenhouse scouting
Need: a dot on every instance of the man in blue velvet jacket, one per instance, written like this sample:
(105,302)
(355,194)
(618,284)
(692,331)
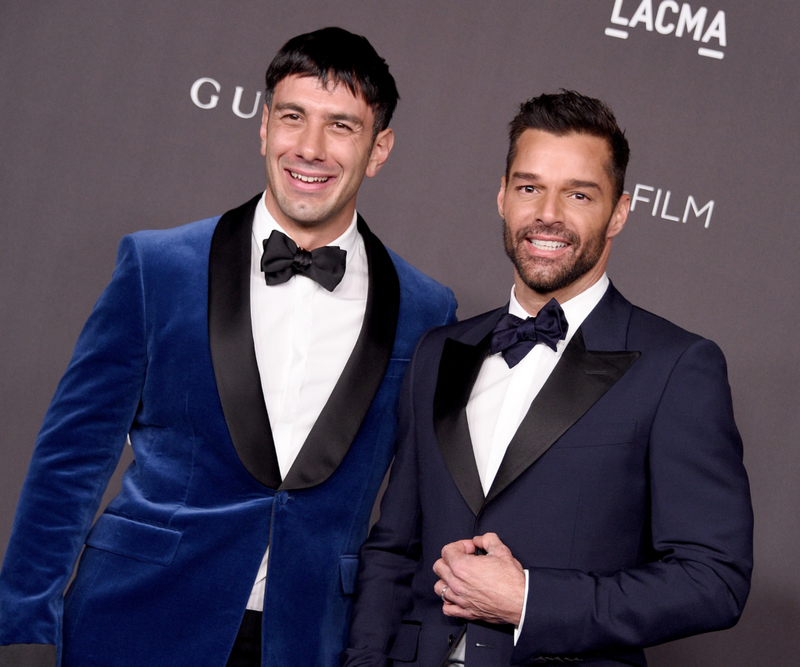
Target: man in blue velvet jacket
(255,360)
(569,488)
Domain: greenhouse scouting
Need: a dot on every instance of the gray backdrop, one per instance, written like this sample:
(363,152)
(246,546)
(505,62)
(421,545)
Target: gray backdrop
(100,136)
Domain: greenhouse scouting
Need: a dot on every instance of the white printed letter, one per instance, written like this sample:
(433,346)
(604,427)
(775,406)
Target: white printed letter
(716,29)
(664,214)
(237,101)
(688,22)
(196,89)
(636,196)
(662,9)
(615,16)
(643,15)
(690,203)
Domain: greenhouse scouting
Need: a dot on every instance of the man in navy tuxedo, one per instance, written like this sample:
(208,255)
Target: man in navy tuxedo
(568,486)
(255,360)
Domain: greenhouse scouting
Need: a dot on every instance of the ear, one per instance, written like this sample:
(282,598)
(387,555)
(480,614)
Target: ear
(381,148)
(501,198)
(619,216)
(263,131)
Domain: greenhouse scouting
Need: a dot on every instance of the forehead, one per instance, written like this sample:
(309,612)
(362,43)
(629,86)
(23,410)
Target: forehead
(572,156)
(309,91)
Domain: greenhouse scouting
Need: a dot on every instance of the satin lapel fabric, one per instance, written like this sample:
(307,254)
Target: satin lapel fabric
(233,353)
(236,369)
(340,419)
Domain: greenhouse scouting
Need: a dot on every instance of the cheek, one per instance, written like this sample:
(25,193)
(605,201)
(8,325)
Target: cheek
(519,215)
(280,141)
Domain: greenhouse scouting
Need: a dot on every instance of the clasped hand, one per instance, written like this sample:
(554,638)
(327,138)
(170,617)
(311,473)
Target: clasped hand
(488,587)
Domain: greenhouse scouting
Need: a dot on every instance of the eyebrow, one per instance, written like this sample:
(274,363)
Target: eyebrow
(293,106)
(525,176)
(573,182)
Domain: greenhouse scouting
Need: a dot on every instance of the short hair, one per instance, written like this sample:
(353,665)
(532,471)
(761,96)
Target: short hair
(568,112)
(334,54)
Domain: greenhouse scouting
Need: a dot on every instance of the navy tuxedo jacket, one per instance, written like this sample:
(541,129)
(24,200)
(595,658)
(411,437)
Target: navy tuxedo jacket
(167,356)
(623,493)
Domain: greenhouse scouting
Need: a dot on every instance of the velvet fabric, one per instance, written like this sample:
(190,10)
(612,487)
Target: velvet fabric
(623,493)
(168,567)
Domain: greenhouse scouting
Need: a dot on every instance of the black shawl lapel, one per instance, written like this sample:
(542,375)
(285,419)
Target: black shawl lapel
(232,350)
(341,418)
(578,381)
(458,369)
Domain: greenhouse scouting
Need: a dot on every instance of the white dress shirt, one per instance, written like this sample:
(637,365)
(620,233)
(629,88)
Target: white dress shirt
(502,396)
(303,337)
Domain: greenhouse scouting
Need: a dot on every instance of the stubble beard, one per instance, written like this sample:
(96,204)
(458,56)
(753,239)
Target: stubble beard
(304,213)
(544,275)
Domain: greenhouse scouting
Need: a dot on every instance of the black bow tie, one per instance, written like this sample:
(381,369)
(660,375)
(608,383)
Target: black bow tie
(282,259)
(515,337)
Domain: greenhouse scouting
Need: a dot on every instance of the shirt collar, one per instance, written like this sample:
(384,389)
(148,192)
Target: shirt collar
(264,224)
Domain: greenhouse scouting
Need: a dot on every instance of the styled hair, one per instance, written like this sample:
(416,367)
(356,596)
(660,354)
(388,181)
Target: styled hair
(568,112)
(334,54)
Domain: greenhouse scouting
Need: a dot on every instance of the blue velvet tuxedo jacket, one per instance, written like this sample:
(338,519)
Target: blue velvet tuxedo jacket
(623,493)
(167,356)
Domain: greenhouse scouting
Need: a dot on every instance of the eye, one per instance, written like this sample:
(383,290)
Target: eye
(527,189)
(580,196)
(341,127)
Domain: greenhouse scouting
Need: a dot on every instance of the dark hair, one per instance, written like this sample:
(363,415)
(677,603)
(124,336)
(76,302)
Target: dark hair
(569,112)
(338,55)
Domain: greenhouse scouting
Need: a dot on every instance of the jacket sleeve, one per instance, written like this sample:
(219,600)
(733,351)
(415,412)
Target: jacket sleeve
(78,447)
(701,524)
(390,555)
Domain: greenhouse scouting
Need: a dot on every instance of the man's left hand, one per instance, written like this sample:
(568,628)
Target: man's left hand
(488,587)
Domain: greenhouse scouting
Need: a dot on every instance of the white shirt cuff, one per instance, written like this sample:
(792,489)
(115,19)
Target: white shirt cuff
(518,628)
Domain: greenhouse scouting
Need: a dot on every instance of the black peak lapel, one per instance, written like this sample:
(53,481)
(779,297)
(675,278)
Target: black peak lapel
(232,350)
(341,418)
(458,369)
(606,327)
(579,380)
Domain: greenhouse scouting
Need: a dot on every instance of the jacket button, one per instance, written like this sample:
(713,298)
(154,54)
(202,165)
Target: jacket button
(449,641)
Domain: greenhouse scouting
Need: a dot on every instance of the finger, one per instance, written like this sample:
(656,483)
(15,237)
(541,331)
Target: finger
(491,544)
(445,594)
(459,548)
(458,612)
(468,546)
(442,570)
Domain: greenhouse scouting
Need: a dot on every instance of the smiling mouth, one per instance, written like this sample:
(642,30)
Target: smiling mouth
(309,179)
(547,245)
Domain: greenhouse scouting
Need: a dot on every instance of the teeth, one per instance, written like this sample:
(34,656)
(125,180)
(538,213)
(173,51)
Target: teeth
(547,245)
(309,179)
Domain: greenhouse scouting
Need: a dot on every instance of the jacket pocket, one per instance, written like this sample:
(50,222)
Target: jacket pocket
(146,542)
(348,570)
(404,648)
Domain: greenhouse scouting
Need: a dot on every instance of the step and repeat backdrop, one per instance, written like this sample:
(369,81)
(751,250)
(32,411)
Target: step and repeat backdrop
(128,115)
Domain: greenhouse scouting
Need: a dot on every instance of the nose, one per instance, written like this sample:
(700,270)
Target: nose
(312,143)
(551,209)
